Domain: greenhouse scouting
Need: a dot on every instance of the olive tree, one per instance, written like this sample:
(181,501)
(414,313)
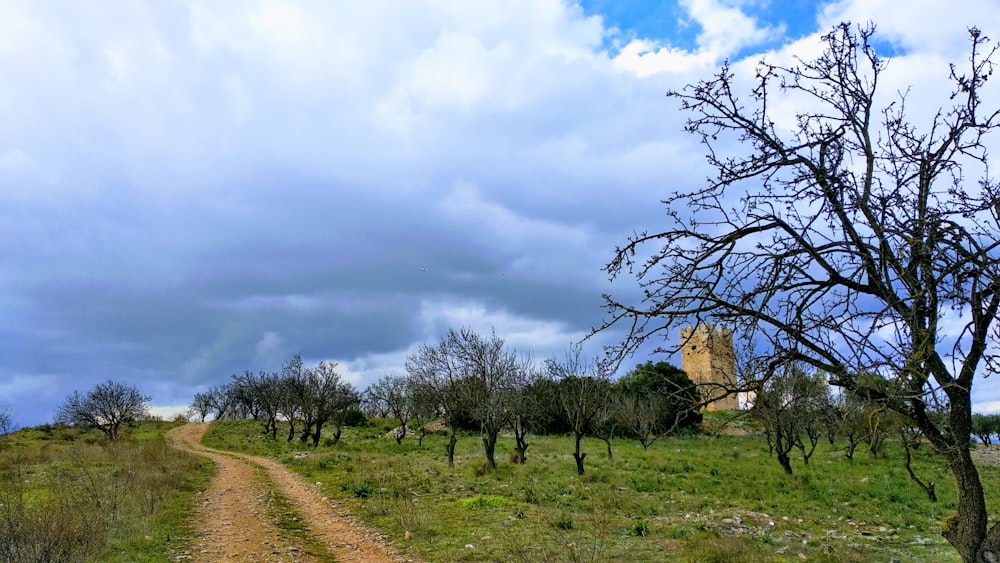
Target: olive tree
(985,426)
(106,407)
(839,232)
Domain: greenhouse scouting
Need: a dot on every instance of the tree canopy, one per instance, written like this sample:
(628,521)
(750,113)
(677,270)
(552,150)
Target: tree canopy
(105,407)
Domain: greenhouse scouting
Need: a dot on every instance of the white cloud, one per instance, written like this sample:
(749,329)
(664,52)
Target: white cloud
(521,332)
(725,28)
(922,25)
(168,412)
(725,31)
(646,57)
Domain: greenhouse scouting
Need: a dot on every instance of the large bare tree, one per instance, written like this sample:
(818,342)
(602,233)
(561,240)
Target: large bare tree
(468,373)
(843,235)
(106,407)
(432,368)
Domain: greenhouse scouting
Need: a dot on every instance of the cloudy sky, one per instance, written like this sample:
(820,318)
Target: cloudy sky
(192,189)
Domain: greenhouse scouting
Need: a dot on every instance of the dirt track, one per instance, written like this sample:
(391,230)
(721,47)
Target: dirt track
(234,523)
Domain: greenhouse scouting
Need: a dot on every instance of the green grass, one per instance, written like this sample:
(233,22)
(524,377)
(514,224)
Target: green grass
(688,499)
(68,494)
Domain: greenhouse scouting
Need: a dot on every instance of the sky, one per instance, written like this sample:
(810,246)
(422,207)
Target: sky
(193,189)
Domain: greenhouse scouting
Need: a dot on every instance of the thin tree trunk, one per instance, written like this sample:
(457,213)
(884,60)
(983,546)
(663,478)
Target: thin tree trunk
(579,456)
(521,446)
(316,434)
(489,447)
(450,449)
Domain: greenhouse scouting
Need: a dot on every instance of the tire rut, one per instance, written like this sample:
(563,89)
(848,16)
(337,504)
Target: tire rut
(232,522)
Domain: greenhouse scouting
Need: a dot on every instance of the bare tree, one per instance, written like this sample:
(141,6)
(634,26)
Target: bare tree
(491,371)
(105,407)
(202,405)
(790,406)
(584,389)
(469,373)
(437,372)
(296,401)
(334,398)
(656,399)
(641,416)
(425,406)
(218,399)
(261,395)
(610,420)
(841,239)
(392,393)
(6,420)
(527,407)
(852,423)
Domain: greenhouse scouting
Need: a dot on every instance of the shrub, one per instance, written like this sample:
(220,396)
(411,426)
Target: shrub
(361,489)
(355,417)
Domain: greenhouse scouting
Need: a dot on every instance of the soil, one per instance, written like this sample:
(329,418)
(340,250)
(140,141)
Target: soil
(234,519)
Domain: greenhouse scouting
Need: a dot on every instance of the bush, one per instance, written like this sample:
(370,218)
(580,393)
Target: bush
(355,417)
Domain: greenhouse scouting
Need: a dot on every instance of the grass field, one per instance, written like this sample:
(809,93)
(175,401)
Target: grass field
(695,498)
(68,495)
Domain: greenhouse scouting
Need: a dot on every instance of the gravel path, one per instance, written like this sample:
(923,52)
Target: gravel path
(233,521)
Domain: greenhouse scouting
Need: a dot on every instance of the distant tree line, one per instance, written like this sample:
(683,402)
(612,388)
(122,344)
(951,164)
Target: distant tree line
(306,398)
(473,382)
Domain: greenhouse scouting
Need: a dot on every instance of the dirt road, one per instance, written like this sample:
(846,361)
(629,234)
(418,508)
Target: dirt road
(235,519)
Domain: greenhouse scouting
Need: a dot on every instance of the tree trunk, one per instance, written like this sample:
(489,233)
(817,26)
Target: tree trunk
(489,448)
(521,447)
(607,443)
(316,434)
(449,448)
(785,462)
(966,531)
(578,456)
(306,432)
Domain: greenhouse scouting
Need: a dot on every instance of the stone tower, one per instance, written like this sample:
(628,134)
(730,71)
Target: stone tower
(708,359)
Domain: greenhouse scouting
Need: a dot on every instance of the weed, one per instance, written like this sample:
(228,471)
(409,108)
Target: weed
(361,489)
(680,533)
(563,522)
(530,496)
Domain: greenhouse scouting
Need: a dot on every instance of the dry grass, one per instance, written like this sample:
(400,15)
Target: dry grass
(69,495)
